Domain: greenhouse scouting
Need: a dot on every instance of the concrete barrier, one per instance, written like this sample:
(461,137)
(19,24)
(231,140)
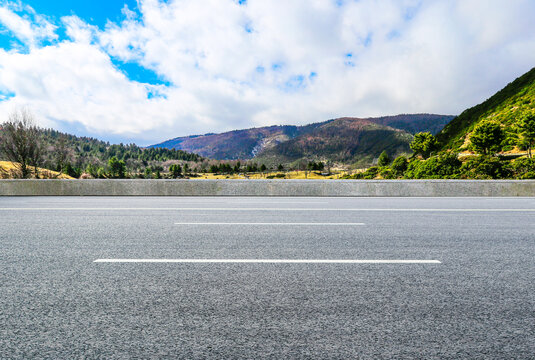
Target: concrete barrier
(404,188)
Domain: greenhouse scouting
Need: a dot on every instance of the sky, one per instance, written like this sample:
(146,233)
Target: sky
(148,70)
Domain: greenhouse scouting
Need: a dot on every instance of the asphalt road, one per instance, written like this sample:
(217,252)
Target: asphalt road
(56,302)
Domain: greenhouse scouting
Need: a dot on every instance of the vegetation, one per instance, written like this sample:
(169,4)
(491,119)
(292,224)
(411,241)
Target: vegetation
(487,137)
(507,108)
(527,128)
(28,146)
(424,144)
(337,134)
(20,143)
(492,135)
(384,160)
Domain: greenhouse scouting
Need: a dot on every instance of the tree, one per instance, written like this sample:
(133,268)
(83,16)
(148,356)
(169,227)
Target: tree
(487,137)
(20,142)
(384,159)
(399,166)
(61,152)
(424,143)
(280,167)
(117,168)
(175,170)
(527,126)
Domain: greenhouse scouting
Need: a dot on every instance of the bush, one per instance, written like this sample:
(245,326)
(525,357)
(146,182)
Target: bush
(445,166)
(485,167)
(384,160)
(276,176)
(399,166)
(521,167)
(528,175)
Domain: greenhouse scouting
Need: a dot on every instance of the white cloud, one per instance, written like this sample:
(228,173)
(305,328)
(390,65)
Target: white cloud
(270,62)
(30,29)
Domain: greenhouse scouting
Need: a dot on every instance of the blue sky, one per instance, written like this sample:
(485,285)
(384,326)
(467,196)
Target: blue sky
(96,12)
(148,70)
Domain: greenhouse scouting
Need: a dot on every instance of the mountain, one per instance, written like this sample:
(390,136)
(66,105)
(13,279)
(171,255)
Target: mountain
(506,107)
(237,144)
(249,143)
(346,140)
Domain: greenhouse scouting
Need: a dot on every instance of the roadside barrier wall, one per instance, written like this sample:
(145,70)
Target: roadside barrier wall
(404,188)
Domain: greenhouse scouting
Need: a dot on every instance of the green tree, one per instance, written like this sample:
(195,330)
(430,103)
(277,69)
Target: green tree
(384,159)
(175,170)
(280,167)
(527,127)
(487,137)
(116,168)
(399,166)
(424,143)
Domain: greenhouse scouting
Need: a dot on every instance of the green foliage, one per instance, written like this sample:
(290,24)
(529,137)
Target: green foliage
(424,144)
(384,159)
(175,171)
(445,166)
(276,176)
(485,167)
(71,171)
(507,107)
(116,168)
(399,166)
(315,166)
(527,127)
(82,152)
(522,168)
(487,137)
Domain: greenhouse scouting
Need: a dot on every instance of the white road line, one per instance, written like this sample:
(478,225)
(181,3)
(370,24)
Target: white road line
(260,209)
(289,224)
(268,261)
(273,202)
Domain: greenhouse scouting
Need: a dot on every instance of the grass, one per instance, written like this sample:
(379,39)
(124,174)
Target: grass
(288,175)
(7,168)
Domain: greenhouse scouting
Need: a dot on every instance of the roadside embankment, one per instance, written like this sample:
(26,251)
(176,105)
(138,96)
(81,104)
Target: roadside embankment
(405,188)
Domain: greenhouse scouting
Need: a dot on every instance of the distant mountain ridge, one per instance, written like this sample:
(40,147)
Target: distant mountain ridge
(262,142)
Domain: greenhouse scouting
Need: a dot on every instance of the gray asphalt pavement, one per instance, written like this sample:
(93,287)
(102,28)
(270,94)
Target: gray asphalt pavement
(56,302)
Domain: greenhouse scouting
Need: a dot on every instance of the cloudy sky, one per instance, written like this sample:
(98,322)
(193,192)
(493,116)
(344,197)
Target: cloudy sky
(149,70)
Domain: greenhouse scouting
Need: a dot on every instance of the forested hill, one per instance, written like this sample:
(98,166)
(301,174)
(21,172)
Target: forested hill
(249,143)
(72,154)
(507,107)
(345,140)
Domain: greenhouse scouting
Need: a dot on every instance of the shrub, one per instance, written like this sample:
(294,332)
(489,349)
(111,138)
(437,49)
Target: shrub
(399,166)
(485,167)
(437,167)
(384,160)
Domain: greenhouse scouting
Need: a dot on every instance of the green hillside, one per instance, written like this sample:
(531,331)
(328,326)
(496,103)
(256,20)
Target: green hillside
(506,107)
(344,140)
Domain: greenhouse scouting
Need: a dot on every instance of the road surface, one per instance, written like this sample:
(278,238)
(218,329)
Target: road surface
(230,277)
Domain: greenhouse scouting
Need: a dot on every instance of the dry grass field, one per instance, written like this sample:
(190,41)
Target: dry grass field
(7,168)
(273,175)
